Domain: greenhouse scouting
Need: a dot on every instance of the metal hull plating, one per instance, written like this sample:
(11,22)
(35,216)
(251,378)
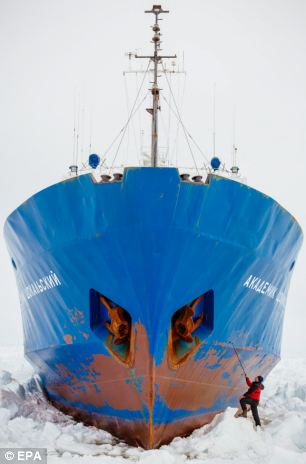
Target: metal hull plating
(152,244)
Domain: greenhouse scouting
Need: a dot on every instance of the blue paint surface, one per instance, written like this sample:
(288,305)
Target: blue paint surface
(152,244)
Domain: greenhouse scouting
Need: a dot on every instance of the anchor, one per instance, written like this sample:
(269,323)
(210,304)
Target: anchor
(185,324)
(118,325)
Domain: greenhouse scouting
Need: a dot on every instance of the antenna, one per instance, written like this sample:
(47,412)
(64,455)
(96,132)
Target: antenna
(234,168)
(74,168)
(156,58)
(77,131)
(90,127)
(82,130)
(74,130)
(214,120)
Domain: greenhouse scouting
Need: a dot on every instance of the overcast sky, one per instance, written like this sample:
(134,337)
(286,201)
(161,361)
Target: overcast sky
(60,54)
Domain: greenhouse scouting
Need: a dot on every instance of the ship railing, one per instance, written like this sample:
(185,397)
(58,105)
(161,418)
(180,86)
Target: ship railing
(103,174)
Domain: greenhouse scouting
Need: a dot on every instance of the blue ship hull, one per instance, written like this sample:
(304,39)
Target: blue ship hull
(151,244)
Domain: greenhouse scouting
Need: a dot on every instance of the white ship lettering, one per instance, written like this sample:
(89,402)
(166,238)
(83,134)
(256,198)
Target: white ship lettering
(42,285)
(260,285)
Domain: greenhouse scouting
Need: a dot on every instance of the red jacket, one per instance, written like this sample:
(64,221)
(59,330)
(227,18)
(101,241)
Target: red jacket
(255,389)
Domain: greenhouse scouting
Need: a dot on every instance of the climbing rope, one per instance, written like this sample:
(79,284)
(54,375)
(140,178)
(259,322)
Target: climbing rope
(238,358)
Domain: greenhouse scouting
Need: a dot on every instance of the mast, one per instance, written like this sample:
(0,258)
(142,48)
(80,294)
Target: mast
(156,58)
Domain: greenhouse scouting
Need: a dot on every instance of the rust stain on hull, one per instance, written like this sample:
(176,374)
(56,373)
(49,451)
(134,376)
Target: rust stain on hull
(195,386)
(135,433)
(68,339)
(105,380)
(199,382)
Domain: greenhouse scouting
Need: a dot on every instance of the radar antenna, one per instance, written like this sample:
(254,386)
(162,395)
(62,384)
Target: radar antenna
(234,169)
(156,58)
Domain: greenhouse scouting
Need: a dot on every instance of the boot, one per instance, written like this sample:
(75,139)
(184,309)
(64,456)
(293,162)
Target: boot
(244,413)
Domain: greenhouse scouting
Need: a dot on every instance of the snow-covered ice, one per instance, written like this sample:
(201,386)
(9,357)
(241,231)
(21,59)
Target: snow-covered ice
(27,420)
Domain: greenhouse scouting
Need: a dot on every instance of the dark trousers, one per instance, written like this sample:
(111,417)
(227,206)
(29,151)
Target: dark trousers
(253,404)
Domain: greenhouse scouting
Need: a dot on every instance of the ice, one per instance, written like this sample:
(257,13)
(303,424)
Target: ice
(28,420)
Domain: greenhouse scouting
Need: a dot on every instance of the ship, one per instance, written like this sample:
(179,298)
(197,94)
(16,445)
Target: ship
(144,292)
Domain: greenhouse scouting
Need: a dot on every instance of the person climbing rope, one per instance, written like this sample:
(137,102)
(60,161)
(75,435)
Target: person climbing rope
(252,397)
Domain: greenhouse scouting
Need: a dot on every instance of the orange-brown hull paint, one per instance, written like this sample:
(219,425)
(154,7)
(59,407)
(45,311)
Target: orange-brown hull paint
(195,385)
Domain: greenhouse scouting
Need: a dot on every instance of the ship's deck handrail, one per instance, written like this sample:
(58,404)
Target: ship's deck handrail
(195,176)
